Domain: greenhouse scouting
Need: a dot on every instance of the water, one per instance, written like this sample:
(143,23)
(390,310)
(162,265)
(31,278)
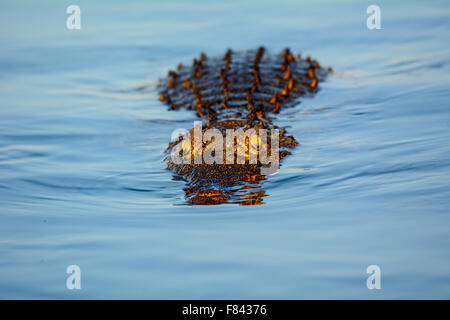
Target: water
(82,179)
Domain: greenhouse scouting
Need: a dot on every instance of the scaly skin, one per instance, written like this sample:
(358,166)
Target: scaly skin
(237,91)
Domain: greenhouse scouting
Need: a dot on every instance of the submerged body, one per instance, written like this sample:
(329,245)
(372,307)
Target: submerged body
(240,91)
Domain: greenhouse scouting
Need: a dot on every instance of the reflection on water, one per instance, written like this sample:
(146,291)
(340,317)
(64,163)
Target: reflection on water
(233,185)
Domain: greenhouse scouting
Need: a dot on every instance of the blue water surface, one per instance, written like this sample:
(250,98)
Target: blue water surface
(82,181)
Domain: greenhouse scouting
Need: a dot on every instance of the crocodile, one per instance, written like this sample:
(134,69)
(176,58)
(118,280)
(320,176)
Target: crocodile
(239,90)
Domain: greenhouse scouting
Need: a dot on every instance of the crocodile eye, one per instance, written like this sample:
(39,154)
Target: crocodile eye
(255,141)
(186,146)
